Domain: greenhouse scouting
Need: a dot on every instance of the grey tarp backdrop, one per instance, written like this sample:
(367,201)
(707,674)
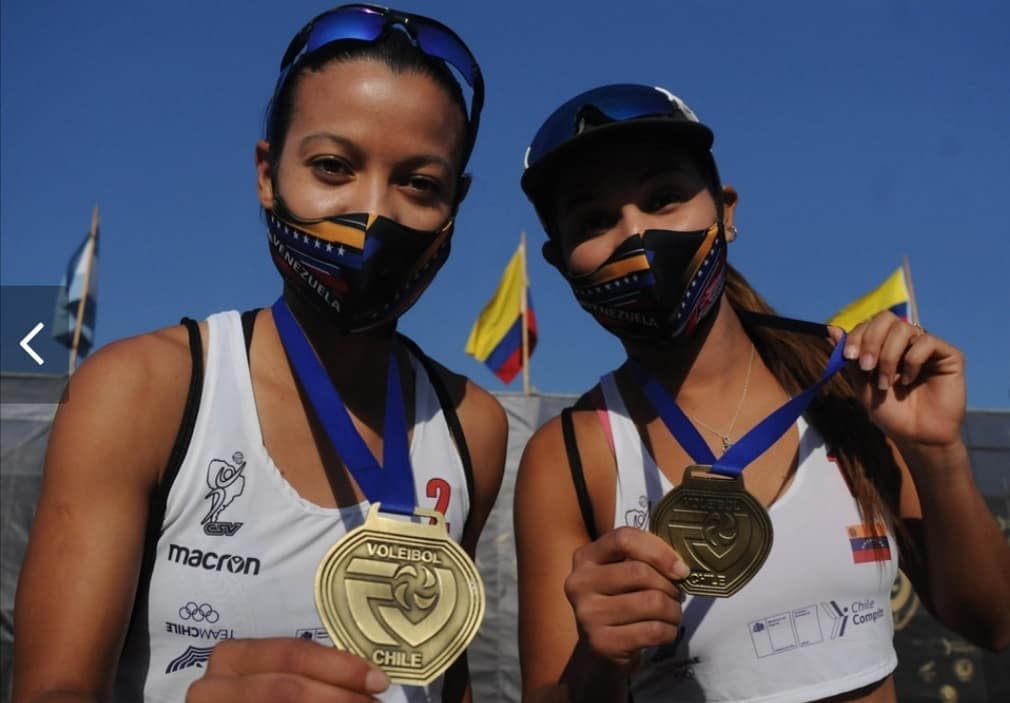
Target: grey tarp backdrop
(935,665)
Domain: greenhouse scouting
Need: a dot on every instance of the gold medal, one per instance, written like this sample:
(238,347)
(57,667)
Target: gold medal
(402,595)
(718,528)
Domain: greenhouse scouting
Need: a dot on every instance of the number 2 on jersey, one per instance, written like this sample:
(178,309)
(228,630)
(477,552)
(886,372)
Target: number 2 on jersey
(439,489)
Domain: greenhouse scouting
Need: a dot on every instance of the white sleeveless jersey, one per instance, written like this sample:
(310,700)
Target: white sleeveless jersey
(238,548)
(815,621)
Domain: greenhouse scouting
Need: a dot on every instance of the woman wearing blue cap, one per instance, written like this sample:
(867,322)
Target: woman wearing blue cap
(199,475)
(721,518)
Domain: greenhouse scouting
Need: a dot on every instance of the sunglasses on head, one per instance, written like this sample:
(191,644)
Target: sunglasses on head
(363,22)
(610,103)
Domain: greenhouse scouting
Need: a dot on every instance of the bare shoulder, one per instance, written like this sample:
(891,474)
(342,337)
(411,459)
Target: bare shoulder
(141,363)
(131,391)
(547,503)
(546,470)
(483,418)
(485,426)
(485,414)
(548,444)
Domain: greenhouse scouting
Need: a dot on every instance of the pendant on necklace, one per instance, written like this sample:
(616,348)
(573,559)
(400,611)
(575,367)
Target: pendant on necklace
(726,444)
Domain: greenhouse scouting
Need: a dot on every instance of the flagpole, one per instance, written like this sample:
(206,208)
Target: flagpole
(523,312)
(912,305)
(81,304)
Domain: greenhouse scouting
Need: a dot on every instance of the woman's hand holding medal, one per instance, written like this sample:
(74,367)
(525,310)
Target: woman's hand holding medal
(281,669)
(913,383)
(622,590)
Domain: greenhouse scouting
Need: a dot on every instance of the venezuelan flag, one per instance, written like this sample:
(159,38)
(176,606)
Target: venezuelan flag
(497,336)
(894,294)
(869,543)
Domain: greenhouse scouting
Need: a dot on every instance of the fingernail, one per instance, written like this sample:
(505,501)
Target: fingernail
(376,681)
(883,382)
(867,362)
(681,570)
(850,352)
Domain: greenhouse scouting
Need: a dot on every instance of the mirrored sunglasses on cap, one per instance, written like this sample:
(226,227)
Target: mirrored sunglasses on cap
(364,22)
(612,103)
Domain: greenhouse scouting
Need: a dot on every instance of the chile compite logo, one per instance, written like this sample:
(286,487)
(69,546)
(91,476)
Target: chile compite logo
(839,617)
(857,613)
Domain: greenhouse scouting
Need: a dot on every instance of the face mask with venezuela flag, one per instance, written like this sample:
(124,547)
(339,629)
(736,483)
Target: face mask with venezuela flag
(361,270)
(657,285)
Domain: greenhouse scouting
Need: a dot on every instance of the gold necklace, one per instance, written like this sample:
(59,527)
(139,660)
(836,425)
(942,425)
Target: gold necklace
(726,442)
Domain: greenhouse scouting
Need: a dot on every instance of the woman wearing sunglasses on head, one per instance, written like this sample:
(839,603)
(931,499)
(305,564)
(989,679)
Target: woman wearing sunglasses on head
(721,518)
(200,474)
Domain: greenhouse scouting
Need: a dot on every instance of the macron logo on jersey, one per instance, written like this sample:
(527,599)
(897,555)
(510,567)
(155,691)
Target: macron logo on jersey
(212,561)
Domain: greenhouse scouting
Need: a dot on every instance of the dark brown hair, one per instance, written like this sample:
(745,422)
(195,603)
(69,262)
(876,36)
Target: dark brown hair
(797,361)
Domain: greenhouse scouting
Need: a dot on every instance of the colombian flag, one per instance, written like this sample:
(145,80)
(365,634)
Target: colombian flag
(497,335)
(894,294)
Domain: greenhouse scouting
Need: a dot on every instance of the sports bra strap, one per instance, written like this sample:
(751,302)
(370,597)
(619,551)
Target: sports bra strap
(248,323)
(188,422)
(578,476)
(159,496)
(449,412)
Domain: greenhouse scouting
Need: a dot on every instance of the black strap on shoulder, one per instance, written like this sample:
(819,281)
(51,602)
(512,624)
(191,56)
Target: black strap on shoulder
(159,498)
(248,323)
(578,476)
(448,410)
(189,412)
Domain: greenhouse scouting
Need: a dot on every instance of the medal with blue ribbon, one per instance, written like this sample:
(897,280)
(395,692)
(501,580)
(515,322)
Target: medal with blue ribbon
(400,593)
(717,527)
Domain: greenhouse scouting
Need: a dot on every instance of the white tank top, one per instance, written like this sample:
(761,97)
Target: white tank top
(238,548)
(815,621)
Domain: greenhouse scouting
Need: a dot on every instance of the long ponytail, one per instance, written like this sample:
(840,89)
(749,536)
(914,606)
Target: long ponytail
(797,361)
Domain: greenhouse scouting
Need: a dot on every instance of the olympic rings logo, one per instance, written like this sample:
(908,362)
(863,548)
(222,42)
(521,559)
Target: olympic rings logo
(204,612)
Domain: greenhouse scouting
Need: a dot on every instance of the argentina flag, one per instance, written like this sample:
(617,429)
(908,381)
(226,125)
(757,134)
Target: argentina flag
(80,282)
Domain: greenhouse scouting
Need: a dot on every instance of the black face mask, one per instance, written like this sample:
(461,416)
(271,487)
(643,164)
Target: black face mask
(362,270)
(656,286)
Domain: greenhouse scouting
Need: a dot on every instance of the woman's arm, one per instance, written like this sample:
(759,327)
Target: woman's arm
(110,440)
(913,388)
(958,558)
(586,608)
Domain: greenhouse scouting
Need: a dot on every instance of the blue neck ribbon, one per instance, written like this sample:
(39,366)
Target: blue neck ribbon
(392,483)
(762,436)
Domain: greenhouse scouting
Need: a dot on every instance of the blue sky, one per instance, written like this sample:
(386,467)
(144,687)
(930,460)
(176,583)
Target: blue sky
(855,132)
